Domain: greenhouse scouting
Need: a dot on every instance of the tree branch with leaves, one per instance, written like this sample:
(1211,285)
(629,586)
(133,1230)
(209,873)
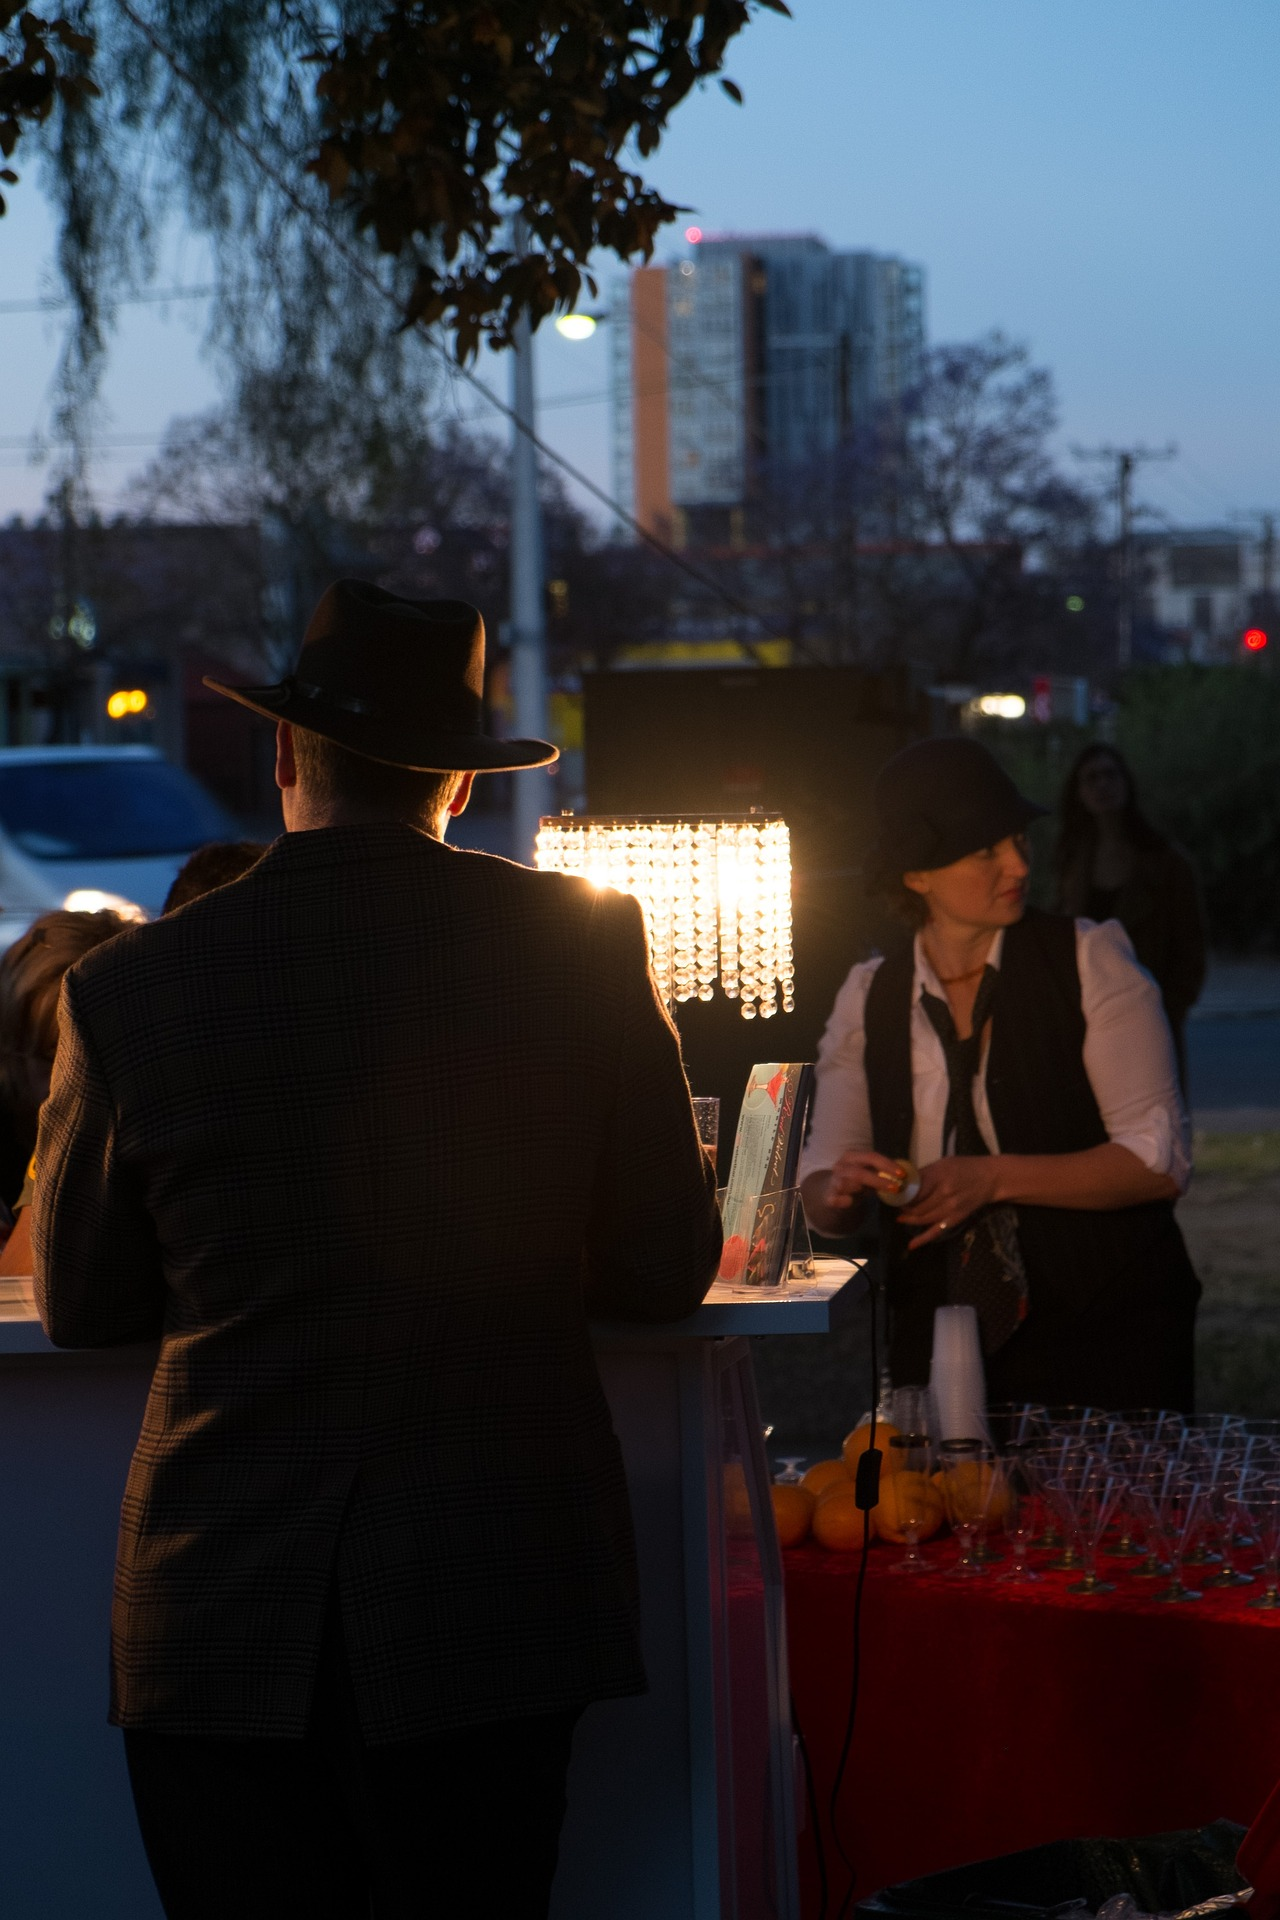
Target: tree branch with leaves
(34,75)
(445,122)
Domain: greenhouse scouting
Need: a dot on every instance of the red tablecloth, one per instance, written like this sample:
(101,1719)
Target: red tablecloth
(994,1717)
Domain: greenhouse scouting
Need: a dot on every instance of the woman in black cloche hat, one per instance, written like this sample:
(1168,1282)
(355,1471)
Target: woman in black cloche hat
(1023,1061)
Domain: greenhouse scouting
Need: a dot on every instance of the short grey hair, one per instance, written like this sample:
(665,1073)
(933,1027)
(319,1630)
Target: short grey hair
(328,772)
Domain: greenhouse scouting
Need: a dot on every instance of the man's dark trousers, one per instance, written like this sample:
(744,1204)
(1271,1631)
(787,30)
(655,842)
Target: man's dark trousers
(327,1828)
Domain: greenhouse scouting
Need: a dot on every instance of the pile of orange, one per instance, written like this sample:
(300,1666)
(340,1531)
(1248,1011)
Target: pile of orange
(792,1512)
(825,1503)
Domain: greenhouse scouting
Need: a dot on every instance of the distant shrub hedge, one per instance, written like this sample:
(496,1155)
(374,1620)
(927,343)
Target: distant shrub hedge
(1204,744)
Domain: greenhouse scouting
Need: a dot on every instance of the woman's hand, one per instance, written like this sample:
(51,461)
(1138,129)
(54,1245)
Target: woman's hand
(855,1173)
(950,1190)
(832,1199)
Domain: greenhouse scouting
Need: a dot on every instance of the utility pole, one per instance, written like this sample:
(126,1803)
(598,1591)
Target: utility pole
(1265,518)
(1126,459)
(532,792)
(1268,560)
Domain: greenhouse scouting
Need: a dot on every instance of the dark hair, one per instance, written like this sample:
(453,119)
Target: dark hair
(900,898)
(30,982)
(216,865)
(330,772)
(1077,827)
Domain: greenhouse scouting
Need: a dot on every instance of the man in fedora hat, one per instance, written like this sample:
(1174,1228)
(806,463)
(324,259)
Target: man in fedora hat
(363,1138)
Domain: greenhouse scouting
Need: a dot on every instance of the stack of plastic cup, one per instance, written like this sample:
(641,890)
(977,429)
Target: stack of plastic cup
(956,1379)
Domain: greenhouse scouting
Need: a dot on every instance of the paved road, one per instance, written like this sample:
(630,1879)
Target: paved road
(1234,1062)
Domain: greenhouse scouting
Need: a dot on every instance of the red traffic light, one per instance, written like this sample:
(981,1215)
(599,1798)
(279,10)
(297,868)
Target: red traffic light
(1255,639)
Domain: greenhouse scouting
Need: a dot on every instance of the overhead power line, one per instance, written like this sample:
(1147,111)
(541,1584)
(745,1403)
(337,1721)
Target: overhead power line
(152,297)
(362,269)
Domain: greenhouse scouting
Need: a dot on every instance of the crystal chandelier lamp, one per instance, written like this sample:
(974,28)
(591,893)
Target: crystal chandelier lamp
(716,895)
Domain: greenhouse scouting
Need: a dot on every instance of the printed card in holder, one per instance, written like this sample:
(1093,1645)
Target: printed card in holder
(759,1205)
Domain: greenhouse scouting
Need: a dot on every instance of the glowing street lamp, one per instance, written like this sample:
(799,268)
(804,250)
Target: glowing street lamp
(576,326)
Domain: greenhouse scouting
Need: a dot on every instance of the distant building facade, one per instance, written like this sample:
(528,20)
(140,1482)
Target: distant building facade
(1206,587)
(758,351)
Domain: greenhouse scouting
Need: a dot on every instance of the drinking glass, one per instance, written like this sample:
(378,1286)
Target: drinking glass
(1264,1515)
(1010,1422)
(1181,1514)
(1064,1462)
(1138,1418)
(1223,1522)
(706,1117)
(972,1477)
(1095,1503)
(1024,1502)
(911,1410)
(1068,1420)
(1049,1456)
(915,1495)
(1198,1461)
(1143,1495)
(1129,1456)
(1074,1490)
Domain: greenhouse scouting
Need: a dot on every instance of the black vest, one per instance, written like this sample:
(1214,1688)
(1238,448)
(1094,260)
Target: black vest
(1041,1102)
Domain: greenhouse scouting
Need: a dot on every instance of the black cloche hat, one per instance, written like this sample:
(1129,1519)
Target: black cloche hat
(396,680)
(938,800)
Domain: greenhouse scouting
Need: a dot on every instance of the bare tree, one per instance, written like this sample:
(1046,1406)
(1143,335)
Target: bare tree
(940,532)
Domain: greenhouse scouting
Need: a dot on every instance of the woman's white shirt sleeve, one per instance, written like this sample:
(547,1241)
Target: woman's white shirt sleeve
(1128,1052)
(840,1120)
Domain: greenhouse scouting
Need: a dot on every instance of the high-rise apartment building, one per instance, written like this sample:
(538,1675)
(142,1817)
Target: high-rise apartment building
(756,353)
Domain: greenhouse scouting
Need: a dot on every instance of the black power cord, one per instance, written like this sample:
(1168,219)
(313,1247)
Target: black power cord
(815,1817)
(867,1495)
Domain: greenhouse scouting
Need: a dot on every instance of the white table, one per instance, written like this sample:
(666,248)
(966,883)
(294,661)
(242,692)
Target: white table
(682,1803)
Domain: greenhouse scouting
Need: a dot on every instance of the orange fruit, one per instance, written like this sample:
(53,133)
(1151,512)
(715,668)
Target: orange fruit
(907,1499)
(838,1521)
(972,1491)
(857,1442)
(823,1474)
(792,1512)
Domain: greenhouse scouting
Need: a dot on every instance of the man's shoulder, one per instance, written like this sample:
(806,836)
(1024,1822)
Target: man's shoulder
(222,927)
(558,895)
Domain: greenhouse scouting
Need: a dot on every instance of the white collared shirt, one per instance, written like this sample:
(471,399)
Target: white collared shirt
(1128,1056)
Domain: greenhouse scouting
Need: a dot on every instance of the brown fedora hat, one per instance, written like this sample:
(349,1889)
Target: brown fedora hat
(396,680)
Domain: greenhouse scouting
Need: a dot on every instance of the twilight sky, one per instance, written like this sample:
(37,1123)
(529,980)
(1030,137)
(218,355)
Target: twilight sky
(1100,178)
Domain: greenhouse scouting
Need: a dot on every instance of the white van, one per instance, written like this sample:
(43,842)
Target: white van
(114,821)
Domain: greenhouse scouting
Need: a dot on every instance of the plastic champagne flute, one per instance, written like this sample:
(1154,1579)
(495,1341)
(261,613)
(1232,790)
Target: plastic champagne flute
(1023,1508)
(1181,1517)
(1264,1514)
(915,1496)
(969,1486)
(1098,1499)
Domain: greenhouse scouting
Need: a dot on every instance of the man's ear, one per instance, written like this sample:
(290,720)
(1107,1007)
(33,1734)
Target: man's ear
(458,804)
(286,765)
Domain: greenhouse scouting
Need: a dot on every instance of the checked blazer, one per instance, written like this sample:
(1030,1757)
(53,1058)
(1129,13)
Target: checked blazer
(364,1138)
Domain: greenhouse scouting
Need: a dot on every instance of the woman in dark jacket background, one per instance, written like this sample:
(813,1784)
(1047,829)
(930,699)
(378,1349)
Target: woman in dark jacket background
(1112,864)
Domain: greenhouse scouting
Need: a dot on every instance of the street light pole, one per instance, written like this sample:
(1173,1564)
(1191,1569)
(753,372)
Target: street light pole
(1126,460)
(532,792)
